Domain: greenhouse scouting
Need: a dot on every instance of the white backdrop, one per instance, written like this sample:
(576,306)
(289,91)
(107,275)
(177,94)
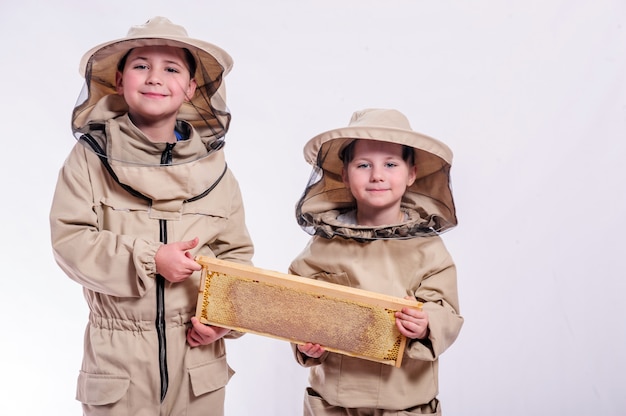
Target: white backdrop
(530,95)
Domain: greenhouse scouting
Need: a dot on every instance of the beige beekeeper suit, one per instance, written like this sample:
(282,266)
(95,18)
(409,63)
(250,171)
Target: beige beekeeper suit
(119,197)
(405,259)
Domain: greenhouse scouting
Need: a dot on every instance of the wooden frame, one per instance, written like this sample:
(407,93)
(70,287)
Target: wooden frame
(345,320)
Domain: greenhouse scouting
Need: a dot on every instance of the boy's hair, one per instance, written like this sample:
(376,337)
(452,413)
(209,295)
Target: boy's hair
(347,154)
(191,61)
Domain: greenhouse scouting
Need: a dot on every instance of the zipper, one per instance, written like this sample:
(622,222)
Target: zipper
(166,159)
(160,320)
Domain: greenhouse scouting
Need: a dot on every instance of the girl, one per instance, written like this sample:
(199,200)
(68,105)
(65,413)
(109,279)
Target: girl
(378,200)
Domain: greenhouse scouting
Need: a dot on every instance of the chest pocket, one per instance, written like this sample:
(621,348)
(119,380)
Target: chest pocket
(122,214)
(337,278)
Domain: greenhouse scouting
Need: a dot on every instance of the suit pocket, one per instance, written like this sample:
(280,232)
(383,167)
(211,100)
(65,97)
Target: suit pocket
(337,278)
(101,389)
(432,408)
(210,376)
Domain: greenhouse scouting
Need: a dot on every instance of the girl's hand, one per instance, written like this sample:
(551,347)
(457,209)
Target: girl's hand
(311,350)
(412,323)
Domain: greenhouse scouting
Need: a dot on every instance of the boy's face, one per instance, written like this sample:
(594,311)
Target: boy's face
(377,177)
(155,82)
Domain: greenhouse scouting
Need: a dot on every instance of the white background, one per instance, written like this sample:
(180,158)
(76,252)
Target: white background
(530,95)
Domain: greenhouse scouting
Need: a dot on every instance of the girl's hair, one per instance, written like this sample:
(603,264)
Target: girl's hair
(347,154)
(191,61)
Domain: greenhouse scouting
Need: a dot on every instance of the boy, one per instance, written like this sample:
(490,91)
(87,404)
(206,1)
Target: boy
(144,191)
(376,207)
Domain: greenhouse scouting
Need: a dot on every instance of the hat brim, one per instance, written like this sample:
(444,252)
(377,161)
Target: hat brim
(324,149)
(105,57)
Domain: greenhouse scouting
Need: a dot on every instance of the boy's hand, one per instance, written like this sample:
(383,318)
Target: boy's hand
(412,323)
(200,334)
(311,350)
(174,262)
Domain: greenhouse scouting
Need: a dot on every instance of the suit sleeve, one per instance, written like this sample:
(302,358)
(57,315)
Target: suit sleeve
(438,290)
(112,264)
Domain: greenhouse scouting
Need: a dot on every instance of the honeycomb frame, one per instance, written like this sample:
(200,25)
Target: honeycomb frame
(296,309)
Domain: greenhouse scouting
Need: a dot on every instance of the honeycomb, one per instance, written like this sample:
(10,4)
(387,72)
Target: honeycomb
(346,326)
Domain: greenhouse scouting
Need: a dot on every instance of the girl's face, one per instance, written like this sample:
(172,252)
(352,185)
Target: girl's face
(377,177)
(155,82)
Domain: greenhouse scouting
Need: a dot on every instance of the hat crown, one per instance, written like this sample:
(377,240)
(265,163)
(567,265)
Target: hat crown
(375,117)
(157,27)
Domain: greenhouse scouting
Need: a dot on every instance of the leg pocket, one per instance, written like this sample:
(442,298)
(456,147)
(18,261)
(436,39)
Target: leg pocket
(102,390)
(210,376)
(315,405)
(432,408)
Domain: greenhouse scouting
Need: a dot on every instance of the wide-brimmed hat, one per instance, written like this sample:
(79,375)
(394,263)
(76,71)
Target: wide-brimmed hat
(99,66)
(430,194)
(384,125)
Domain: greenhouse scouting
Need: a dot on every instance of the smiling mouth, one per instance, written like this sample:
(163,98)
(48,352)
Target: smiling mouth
(154,94)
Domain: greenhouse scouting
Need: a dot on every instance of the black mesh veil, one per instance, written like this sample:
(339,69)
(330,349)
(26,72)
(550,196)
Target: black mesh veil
(206,111)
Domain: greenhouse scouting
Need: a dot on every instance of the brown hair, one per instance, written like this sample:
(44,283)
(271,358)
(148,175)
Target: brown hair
(347,154)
